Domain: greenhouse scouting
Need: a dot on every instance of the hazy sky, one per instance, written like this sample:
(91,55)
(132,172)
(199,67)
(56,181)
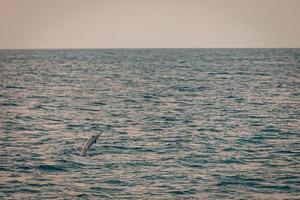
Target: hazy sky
(149,23)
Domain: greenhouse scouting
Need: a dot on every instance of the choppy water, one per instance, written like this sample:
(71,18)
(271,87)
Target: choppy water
(179,123)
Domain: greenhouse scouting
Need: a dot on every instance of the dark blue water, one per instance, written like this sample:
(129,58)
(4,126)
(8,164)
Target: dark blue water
(179,123)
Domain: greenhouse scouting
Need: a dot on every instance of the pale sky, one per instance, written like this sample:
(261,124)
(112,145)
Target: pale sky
(149,23)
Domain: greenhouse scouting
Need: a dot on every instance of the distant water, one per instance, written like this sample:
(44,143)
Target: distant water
(179,123)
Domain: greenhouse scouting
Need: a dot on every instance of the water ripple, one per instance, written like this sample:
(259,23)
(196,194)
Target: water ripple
(179,124)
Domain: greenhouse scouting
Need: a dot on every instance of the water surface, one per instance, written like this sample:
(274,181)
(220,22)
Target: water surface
(179,123)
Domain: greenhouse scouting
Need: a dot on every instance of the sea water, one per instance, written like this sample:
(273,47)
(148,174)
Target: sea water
(178,123)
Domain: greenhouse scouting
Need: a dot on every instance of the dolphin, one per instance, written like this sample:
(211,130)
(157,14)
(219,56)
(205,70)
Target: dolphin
(89,143)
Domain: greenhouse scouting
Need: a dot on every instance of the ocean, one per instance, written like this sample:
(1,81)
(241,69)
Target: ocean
(178,123)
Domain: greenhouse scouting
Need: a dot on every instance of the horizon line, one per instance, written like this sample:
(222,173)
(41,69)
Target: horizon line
(100,48)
